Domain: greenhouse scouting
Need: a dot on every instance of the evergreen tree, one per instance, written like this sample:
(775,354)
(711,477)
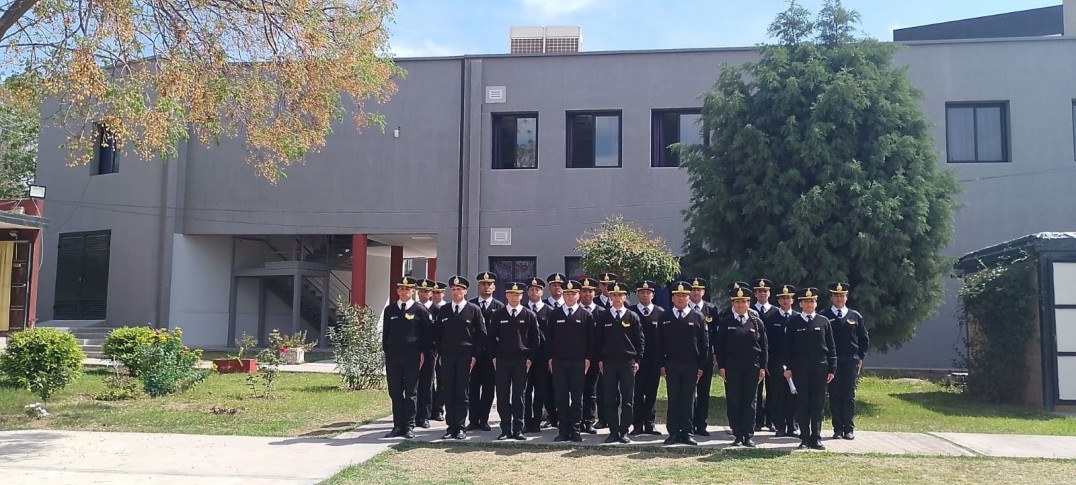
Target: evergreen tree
(821,167)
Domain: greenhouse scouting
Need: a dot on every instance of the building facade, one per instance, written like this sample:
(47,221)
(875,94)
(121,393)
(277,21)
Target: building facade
(502,162)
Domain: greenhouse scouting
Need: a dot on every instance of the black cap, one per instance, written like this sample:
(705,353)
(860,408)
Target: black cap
(589,283)
(572,285)
(808,293)
(738,284)
(741,294)
(459,281)
(406,282)
(617,287)
(699,283)
(607,278)
(762,284)
(681,288)
(425,284)
(786,290)
(439,286)
(536,281)
(557,278)
(839,288)
(486,277)
(645,285)
(515,287)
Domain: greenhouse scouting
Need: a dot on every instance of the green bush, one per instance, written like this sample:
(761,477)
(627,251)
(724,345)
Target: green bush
(122,344)
(357,347)
(168,366)
(43,360)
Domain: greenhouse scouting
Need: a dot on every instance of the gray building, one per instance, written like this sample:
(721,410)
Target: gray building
(501,162)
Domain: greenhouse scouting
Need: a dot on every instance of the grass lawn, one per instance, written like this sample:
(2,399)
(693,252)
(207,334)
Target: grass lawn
(310,356)
(916,405)
(477,463)
(303,404)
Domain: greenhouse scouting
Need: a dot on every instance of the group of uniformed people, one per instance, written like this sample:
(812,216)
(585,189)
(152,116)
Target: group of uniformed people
(546,359)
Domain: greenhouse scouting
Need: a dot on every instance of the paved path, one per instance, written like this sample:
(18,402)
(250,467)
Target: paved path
(86,457)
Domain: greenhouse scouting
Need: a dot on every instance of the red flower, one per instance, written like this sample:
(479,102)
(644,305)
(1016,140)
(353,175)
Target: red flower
(283,348)
(285,335)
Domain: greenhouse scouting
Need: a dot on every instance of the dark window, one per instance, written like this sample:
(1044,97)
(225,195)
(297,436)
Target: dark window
(673,126)
(1074,127)
(977,132)
(515,140)
(573,266)
(594,139)
(106,152)
(520,269)
(82,275)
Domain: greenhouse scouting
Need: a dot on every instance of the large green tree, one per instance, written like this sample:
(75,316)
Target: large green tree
(19,115)
(821,168)
(628,250)
(273,73)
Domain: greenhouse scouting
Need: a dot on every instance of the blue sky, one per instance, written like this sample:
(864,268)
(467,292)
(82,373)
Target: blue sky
(453,27)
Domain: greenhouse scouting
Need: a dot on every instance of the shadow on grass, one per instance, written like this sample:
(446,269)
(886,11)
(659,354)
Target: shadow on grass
(570,451)
(951,404)
(330,430)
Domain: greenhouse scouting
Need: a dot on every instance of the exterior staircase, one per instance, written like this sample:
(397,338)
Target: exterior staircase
(89,337)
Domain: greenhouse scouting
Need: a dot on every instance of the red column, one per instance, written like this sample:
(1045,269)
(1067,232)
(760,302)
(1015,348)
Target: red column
(395,269)
(358,269)
(431,269)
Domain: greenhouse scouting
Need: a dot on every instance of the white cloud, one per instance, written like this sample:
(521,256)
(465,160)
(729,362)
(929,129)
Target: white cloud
(553,8)
(426,48)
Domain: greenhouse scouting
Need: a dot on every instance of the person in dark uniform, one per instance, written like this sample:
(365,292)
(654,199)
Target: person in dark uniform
(726,311)
(437,296)
(513,339)
(649,375)
(555,284)
(592,401)
(406,336)
(619,345)
(604,280)
(702,389)
(427,375)
(780,403)
(761,288)
(571,344)
(850,335)
(483,383)
(539,381)
(683,357)
(742,352)
(810,361)
(460,334)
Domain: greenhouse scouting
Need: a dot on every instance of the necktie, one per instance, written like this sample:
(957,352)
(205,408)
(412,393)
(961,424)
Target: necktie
(534,308)
(483,304)
(556,305)
(567,312)
(618,314)
(839,312)
(646,312)
(514,312)
(679,314)
(743,319)
(784,315)
(403,306)
(456,308)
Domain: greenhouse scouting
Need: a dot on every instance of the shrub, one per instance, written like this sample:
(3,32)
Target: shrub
(269,361)
(168,366)
(43,360)
(357,341)
(123,344)
(119,387)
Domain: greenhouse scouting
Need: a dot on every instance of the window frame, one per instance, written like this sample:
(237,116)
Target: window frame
(504,279)
(495,144)
(569,134)
(99,151)
(658,153)
(1006,145)
(568,265)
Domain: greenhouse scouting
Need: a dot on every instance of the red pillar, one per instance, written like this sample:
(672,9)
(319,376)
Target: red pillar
(358,269)
(395,269)
(431,269)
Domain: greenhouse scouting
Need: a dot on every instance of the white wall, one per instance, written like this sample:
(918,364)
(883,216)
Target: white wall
(201,267)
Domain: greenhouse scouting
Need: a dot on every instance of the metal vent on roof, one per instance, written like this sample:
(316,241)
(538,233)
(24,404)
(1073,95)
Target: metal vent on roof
(496,94)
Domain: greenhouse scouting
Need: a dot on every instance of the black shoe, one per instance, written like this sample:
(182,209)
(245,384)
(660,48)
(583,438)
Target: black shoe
(461,434)
(737,442)
(424,424)
(560,437)
(780,434)
(688,440)
(518,436)
(770,427)
(549,424)
(532,428)
(701,432)
(485,427)
(471,427)
(792,432)
(672,439)
(837,435)
(816,444)
(408,434)
(612,438)
(394,433)
(589,428)
(601,425)
(748,442)
(448,435)
(848,435)
(438,417)
(576,438)
(624,439)
(803,445)
(504,435)
(758,427)
(636,430)
(650,429)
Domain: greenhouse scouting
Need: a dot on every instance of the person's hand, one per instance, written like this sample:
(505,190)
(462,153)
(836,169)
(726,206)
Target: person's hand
(721,372)
(662,372)
(528,365)
(473,362)
(715,362)
(550,365)
(494,365)
(829,378)
(601,367)
(761,374)
(698,376)
(788,374)
(421,360)
(859,368)
(634,367)
(586,366)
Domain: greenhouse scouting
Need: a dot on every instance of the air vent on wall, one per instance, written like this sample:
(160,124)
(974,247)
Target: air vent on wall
(500,236)
(496,94)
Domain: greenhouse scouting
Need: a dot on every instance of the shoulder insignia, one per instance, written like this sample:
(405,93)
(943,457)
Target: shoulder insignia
(409,316)
(625,324)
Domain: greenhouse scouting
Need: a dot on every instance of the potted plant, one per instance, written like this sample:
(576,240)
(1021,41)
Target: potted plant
(237,363)
(293,348)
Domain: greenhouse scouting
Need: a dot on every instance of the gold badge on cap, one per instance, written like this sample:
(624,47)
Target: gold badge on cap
(680,288)
(646,286)
(456,281)
(739,292)
(839,287)
(808,294)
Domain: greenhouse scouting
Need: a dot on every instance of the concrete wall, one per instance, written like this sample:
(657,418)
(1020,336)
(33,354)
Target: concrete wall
(202,267)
